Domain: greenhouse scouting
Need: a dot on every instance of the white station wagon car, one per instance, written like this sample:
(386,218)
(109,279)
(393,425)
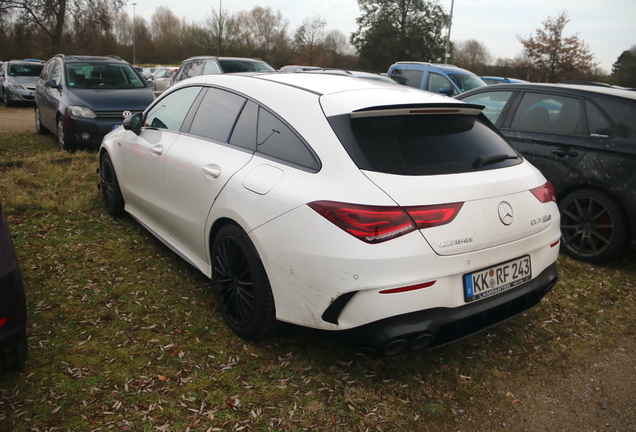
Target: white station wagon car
(395,218)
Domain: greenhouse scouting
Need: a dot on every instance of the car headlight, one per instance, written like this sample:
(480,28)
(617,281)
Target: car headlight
(15,86)
(80,111)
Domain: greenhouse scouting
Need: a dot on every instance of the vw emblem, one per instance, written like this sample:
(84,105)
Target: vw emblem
(126,114)
(506,214)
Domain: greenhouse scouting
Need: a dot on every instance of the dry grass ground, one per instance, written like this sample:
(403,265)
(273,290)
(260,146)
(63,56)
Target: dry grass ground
(123,336)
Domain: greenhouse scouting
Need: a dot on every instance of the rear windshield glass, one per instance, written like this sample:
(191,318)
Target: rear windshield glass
(423,144)
(102,76)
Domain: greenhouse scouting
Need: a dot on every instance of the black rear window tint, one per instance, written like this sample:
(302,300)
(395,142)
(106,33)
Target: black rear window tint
(422,144)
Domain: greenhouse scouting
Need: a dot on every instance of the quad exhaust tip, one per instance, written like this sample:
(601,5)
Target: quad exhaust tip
(402,346)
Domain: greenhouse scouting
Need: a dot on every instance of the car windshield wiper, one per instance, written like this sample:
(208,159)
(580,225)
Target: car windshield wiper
(492,158)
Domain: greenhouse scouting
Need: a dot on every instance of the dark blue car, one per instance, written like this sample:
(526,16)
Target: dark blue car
(13,339)
(82,98)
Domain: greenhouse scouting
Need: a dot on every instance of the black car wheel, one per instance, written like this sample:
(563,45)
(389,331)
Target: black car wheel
(240,284)
(592,226)
(38,123)
(62,139)
(7,102)
(109,187)
(13,357)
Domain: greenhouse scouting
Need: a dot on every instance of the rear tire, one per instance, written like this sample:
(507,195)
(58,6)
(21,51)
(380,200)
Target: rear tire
(41,130)
(593,228)
(241,286)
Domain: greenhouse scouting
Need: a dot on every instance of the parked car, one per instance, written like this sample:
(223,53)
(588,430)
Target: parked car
(160,79)
(490,80)
(583,139)
(82,98)
(210,65)
(397,219)
(355,74)
(13,314)
(147,72)
(17,80)
(437,78)
(295,68)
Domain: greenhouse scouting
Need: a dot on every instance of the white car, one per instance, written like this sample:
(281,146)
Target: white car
(395,218)
(161,79)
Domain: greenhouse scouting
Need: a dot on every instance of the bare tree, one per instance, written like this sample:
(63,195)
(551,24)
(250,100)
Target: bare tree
(52,15)
(554,56)
(264,32)
(219,34)
(472,55)
(309,40)
(165,28)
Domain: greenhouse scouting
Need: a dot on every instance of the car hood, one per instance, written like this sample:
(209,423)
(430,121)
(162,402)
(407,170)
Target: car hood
(25,80)
(113,100)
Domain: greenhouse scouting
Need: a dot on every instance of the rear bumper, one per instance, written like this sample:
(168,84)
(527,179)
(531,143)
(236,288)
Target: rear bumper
(435,327)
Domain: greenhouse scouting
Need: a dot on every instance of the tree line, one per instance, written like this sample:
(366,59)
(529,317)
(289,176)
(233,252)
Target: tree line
(388,31)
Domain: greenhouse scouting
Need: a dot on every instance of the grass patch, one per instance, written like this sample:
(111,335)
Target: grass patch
(124,335)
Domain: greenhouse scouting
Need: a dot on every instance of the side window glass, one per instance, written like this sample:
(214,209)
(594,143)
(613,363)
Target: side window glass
(170,112)
(599,124)
(196,68)
(409,77)
(217,114)
(493,102)
(244,134)
(275,139)
(437,82)
(56,72)
(45,72)
(210,68)
(550,114)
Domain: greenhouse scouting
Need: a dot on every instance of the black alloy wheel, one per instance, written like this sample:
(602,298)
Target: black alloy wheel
(109,187)
(592,226)
(240,285)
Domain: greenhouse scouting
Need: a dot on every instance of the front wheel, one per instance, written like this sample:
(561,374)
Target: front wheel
(240,285)
(592,226)
(62,139)
(7,102)
(109,187)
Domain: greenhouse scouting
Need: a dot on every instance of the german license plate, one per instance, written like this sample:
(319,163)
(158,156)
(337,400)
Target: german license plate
(494,280)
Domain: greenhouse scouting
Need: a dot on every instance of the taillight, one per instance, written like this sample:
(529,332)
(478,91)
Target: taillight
(375,224)
(544,193)
(2,321)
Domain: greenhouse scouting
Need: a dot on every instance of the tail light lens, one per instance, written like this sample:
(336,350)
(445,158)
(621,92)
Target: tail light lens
(376,224)
(544,193)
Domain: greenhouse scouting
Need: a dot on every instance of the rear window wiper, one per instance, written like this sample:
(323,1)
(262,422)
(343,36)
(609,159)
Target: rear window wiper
(493,158)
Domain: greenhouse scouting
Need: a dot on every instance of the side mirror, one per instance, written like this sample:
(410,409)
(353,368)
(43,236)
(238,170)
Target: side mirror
(52,84)
(446,91)
(133,122)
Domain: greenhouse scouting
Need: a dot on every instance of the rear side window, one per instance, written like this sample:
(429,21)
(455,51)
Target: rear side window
(427,144)
(600,126)
(211,68)
(277,140)
(409,77)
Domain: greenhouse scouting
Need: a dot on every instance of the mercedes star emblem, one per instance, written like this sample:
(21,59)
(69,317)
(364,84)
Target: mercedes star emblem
(506,214)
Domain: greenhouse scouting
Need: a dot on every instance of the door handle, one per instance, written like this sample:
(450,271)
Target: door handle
(564,153)
(212,170)
(156,150)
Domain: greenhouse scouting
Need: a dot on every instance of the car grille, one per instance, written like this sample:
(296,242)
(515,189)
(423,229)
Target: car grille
(30,88)
(109,114)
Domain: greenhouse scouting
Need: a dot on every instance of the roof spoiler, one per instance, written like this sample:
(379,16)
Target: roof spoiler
(418,109)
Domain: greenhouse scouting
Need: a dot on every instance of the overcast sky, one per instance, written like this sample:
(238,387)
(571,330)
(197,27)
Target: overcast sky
(608,26)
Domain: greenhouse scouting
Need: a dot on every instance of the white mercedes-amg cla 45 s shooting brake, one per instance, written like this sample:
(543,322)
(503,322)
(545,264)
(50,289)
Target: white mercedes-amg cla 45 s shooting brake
(396,218)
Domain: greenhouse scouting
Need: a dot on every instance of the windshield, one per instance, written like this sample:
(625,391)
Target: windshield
(102,76)
(25,69)
(466,82)
(230,66)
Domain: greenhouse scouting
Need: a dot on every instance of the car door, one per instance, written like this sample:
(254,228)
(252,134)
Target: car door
(143,155)
(199,164)
(550,130)
(48,98)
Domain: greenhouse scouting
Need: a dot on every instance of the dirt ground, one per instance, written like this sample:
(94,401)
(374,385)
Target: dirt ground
(597,394)
(17,119)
